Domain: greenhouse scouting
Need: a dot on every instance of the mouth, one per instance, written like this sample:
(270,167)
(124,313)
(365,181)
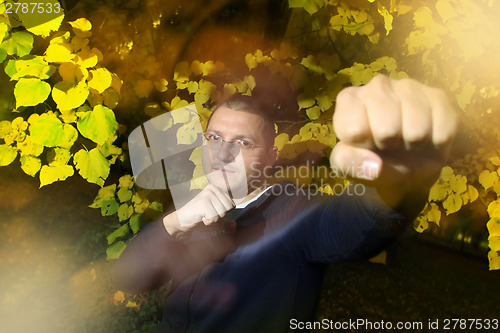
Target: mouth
(225,170)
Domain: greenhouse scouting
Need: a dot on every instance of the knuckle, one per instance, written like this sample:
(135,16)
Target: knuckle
(387,133)
(416,135)
(353,133)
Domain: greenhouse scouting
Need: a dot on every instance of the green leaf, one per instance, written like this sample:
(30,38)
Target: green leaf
(105,193)
(98,125)
(314,112)
(31,92)
(58,156)
(311,6)
(109,207)
(120,232)
(68,96)
(125,211)
(124,194)
(136,222)
(92,166)
(312,64)
(70,136)
(30,165)
(4,31)
(50,174)
(34,67)
(3,55)
(47,130)
(115,250)
(7,155)
(20,44)
(305,101)
(156,206)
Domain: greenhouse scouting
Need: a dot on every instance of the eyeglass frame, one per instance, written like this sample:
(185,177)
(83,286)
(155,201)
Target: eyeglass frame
(234,142)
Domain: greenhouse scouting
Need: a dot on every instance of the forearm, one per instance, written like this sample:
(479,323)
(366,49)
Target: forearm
(148,261)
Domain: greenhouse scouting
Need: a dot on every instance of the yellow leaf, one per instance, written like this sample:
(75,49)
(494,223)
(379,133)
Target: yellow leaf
(434,213)
(177,103)
(387,19)
(488,179)
(452,203)
(72,72)
(118,297)
(422,224)
(59,53)
(473,193)
(494,259)
(69,96)
(50,174)
(88,57)
(251,61)
(494,209)
(199,180)
(101,79)
(437,192)
(494,243)
(131,304)
(188,133)
(447,174)
(161,85)
(493,226)
(82,27)
(280,140)
(458,184)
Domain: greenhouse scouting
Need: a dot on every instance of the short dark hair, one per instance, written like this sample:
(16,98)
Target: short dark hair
(253,105)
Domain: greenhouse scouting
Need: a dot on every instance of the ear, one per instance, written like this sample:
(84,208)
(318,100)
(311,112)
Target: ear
(273,155)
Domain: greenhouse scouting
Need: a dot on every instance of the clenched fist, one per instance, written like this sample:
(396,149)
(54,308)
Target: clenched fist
(395,133)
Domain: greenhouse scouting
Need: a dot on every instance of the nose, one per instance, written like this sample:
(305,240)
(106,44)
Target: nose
(227,152)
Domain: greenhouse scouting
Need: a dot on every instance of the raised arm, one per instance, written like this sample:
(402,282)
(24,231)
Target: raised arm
(396,135)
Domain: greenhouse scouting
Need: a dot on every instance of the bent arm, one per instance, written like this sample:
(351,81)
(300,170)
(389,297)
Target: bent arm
(153,258)
(148,262)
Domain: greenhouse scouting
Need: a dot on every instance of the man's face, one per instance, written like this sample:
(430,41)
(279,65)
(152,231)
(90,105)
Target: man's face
(228,164)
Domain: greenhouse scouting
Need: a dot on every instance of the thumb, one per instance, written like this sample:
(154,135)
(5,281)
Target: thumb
(350,161)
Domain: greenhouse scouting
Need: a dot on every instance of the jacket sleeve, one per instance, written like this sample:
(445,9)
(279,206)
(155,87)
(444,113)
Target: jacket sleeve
(154,258)
(141,267)
(342,228)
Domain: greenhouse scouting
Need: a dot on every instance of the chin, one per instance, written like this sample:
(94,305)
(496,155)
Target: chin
(238,187)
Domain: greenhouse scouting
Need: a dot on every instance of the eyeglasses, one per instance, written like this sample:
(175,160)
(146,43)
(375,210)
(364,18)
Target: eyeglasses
(216,141)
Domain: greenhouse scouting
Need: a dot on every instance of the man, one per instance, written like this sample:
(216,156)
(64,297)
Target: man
(262,267)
